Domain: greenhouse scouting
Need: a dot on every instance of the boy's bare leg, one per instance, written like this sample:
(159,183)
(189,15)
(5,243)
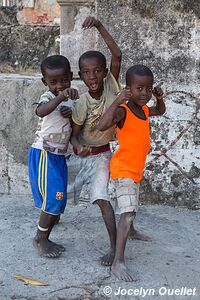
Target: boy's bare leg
(136,235)
(41,242)
(109,219)
(57,218)
(118,267)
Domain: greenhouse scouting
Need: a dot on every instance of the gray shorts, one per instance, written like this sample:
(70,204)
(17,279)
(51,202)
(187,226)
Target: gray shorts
(93,172)
(127,193)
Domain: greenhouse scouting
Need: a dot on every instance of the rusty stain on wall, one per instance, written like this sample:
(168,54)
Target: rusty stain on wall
(43,12)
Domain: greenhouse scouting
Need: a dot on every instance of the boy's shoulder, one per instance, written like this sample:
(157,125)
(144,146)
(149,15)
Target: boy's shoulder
(83,99)
(111,83)
(81,105)
(146,110)
(46,96)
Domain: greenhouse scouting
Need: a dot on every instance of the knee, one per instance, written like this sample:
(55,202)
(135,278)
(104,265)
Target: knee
(102,203)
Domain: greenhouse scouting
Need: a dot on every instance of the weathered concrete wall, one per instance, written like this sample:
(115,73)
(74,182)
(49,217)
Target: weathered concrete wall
(162,34)
(18,124)
(39,12)
(172,174)
(23,47)
(16,130)
(165,35)
(75,40)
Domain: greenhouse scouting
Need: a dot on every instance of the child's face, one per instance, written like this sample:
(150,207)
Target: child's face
(141,89)
(92,72)
(57,80)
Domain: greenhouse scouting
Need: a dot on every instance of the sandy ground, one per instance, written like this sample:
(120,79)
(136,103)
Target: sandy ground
(166,268)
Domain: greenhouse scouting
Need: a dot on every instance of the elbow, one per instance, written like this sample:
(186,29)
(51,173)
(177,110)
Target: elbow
(119,55)
(163,111)
(39,113)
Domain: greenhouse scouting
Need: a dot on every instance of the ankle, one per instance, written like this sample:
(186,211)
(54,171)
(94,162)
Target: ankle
(40,236)
(118,261)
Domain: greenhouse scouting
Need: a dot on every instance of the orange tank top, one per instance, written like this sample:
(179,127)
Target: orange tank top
(134,143)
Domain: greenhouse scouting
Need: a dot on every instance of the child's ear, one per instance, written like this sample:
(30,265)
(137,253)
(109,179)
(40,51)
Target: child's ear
(43,80)
(105,72)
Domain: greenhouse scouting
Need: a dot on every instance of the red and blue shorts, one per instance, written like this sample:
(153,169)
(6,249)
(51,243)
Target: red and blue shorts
(48,180)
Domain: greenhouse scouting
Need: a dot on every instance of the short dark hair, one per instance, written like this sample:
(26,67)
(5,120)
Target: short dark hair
(140,70)
(55,62)
(93,54)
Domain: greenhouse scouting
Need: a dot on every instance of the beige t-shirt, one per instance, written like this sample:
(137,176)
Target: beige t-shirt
(88,110)
(53,131)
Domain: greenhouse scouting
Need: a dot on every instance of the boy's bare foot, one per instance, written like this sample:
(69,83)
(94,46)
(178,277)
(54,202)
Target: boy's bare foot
(46,248)
(121,272)
(108,258)
(136,235)
(61,247)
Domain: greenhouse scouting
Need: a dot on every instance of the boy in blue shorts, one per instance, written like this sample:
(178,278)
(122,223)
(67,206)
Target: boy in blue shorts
(46,162)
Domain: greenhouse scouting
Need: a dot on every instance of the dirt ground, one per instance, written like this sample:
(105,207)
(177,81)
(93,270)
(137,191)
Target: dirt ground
(166,268)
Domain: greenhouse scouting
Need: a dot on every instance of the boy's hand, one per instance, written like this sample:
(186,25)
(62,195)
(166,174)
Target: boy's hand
(158,92)
(123,96)
(70,93)
(91,22)
(66,112)
(83,150)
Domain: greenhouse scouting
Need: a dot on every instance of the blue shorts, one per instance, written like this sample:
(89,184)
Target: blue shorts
(48,180)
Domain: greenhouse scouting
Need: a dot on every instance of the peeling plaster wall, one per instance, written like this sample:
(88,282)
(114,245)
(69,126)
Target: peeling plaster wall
(17,128)
(165,35)
(23,47)
(39,12)
(172,172)
(75,40)
(162,34)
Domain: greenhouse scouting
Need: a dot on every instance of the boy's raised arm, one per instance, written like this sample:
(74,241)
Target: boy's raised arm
(160,108)
(114,49)
(114,114)
(44,109)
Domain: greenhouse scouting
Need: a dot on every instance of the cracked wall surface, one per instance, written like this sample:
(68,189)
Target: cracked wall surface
(17,128)
(163,35)
(22,46)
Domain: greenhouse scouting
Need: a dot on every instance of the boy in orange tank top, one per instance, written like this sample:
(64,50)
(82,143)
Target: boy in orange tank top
(130,114)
